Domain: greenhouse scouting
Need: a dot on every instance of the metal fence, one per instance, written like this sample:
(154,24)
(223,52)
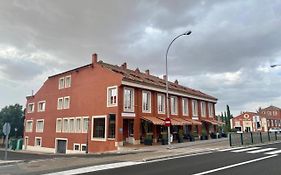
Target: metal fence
(250,138)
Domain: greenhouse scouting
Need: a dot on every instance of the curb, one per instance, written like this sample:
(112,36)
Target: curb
(10,162)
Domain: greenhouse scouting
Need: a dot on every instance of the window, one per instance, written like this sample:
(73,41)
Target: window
(76,147)
(78,128)
(274,113)
(60,103)
(112,96)
(38,141)
(128,99)
(83,147)
(65,125)
(41,106)
(269,113)
(39,125)
(161,103)
(71,125)
(30,107)
(66,102)
(174,105)
(85,124)
(58,125)
(185,106)
(194,108)
(146,101)
(61,83)
(68,81)
(203,109)
(211,110)
(99,127)
(111,129)
(28,127)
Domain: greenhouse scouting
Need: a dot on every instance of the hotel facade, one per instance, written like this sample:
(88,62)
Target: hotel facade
(106,106)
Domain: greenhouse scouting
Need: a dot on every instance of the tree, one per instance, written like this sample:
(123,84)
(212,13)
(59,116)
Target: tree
(14,115)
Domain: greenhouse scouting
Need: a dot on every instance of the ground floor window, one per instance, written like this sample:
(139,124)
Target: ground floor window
(38,141)
(83,147)
(99,127)
(112,121)
(76,147)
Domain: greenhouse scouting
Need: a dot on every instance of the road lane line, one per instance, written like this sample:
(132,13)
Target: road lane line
(261,150)
(246,149)
(274,152)
(95,168)
(235,165)
(230,149)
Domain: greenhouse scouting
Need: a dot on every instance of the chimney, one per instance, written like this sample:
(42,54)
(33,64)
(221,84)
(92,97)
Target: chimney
(164,77)
(176,82)
(124,65)
(147,72)
(94,58)
(137,70)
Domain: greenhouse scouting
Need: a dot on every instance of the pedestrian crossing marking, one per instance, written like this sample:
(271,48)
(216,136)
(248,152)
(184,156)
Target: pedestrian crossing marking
(274,152)
(261,150)
(246,149)
(230,149)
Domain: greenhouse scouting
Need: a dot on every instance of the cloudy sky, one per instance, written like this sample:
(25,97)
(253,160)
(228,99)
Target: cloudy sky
(228,54)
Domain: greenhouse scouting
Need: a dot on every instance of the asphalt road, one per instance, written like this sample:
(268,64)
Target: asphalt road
(270,164)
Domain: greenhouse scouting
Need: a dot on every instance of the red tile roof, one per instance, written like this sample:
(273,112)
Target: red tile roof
(146,79)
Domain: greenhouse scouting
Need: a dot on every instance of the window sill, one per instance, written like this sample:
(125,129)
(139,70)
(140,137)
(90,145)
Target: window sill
(99,139)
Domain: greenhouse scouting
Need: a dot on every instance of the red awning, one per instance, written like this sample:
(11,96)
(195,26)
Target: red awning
(154,120)
(212,121)
(194,122)
(176,121)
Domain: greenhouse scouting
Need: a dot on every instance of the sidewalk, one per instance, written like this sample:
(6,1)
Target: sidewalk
(137,153)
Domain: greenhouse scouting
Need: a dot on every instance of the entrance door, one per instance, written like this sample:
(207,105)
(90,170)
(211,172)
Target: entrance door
(128,128)
(61,146)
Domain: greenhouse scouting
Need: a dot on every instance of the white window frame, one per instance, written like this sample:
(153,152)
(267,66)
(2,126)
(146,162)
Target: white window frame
(82,146)
(31,128)
(174,107)
(162,105)
(108,97)
(40,138)
(211,110)
(83,130)
(132,102)
(194,108)
(106,128)
(76,126)
(37,129)
(66,85)
(61,86)
(44,106)
(185,106)
(28,111)
(62,104)
(148,101)
(75,144)
(61,127)
(203,111)
(66,106)
(73,129)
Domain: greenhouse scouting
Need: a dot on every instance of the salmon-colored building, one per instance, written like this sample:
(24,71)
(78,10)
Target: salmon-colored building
(106,106)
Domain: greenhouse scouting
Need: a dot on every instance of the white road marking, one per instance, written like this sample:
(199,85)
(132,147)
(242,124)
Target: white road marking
(261,150)
(95,168)
(235,165)
(246,149)
(274,152)
(230,149)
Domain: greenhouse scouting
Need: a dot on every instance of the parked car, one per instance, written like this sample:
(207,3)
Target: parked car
(278,130)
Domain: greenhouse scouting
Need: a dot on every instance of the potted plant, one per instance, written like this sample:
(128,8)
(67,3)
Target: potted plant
(180,138)
(204,135)
(164,138)
(148,139)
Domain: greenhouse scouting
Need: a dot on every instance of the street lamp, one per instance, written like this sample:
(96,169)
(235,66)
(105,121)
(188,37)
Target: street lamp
(167,83)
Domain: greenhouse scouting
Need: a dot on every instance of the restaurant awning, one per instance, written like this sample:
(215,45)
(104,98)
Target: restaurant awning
(177,121)
(213,122)
(154,120)
(193,122)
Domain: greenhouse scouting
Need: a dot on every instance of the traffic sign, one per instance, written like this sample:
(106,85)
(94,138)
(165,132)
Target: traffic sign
(168,122)
(6,129)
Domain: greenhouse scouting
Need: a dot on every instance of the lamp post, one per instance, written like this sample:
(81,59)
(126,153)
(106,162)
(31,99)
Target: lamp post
(167,83)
